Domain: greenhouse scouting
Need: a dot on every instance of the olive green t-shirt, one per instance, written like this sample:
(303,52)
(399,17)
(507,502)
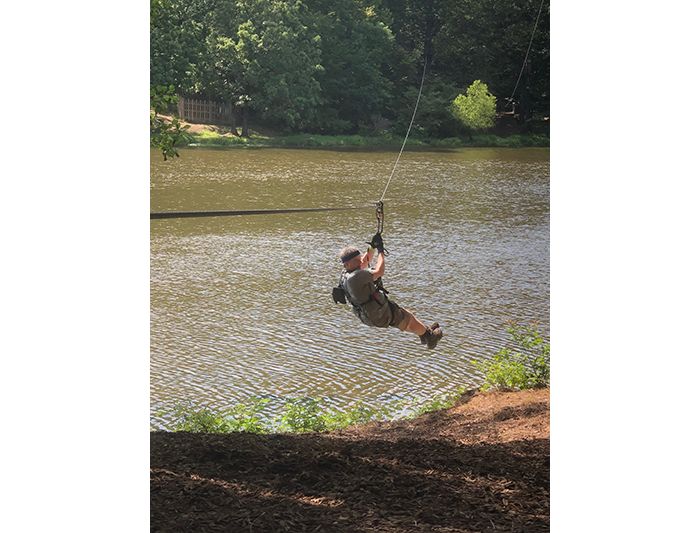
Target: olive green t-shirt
(360,286)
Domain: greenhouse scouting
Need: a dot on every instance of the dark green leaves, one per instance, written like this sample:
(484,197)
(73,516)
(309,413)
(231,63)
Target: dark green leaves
(167,132)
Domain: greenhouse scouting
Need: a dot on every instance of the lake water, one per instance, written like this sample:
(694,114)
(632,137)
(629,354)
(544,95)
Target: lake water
(241,306)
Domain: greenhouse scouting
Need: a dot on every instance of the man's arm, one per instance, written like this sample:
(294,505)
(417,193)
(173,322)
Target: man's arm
(378,271)
(366,258)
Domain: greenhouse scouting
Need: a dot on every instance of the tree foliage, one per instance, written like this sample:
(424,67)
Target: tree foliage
(178,33)
(166,133)
(352,76)
(280,59)
(347,66)
(477,108)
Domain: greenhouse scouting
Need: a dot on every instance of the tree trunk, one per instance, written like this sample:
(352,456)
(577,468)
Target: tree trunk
(244,129)
(234,128)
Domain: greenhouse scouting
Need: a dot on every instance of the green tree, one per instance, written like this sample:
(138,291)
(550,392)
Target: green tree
(477,108)
(222,75)
(280,60)
(177,37)
(356,55)
(262,57)
(416,23)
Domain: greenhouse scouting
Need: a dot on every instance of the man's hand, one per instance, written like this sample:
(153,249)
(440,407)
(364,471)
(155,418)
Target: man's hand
(377,242)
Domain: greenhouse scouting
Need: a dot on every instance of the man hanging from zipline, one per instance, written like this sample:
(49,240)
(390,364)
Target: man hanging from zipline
(362,288)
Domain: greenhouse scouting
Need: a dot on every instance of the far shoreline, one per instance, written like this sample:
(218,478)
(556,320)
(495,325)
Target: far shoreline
(206,138)
(215,136)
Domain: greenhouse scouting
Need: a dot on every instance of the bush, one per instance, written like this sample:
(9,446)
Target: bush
(442,401)
(526,367)
(302,415)
(241,417)
(336,419)
(448,142)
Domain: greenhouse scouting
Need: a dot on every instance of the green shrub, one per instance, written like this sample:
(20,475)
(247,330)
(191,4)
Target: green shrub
(361,414)
(299,415)
(302,415)
(212,138)
(526,367)
(448,142)
(441,401)
(241,417)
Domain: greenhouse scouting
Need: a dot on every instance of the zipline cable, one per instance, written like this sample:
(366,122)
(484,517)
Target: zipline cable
(197,214)
(425,65)
(528,50)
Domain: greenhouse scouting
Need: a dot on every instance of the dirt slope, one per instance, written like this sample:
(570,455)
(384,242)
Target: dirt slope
(480,466)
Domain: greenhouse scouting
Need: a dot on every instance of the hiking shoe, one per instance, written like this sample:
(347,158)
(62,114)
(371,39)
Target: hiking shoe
(435,336)
(424,338)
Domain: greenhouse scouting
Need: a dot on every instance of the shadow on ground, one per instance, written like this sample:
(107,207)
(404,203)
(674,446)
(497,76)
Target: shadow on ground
(352,481)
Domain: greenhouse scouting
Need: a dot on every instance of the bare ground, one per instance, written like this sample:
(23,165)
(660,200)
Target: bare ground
(480,466)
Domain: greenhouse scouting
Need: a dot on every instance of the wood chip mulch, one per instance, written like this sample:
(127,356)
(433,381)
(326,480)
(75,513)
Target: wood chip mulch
(480,466)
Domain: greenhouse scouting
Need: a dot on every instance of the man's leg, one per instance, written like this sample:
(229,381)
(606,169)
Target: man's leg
(414,325)
(429,336)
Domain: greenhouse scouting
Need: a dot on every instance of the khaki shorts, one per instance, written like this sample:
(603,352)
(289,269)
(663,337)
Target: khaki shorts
(399,316)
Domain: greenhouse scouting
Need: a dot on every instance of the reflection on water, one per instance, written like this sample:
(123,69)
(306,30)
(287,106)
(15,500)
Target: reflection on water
(241,306)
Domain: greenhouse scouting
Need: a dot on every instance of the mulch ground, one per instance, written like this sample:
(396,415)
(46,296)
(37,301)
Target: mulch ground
(480,466)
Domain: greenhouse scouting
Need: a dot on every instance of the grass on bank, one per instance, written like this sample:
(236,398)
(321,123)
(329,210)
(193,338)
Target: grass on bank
(525,365)
(302,140)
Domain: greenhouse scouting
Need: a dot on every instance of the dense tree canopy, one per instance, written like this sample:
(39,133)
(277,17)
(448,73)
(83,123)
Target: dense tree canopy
(273,60)
(355,62)
(338,66)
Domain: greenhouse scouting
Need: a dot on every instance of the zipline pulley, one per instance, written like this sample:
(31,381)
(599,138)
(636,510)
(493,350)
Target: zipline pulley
(380,217)
(376,241)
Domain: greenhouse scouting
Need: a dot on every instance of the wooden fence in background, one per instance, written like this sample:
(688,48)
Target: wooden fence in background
(205,111)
